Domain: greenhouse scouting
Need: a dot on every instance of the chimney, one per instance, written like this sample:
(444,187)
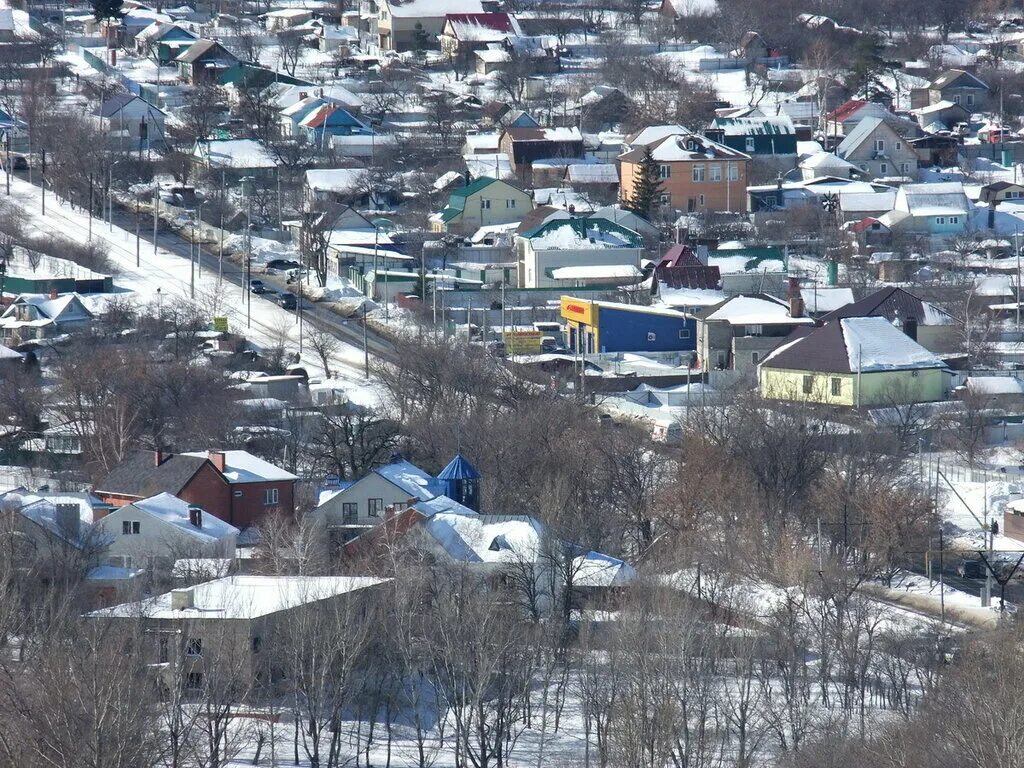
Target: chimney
(159,457)
(113,57)
(68,521)
(182,599)
(218,458)
(910,327)
(794,287)
(54,293)
(796,306)
(195,516)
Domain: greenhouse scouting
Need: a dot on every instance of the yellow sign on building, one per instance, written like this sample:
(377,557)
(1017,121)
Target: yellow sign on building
(579,310)
(523,342)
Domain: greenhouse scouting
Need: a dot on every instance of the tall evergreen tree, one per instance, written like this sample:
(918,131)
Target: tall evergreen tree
(646,186)
(107,9)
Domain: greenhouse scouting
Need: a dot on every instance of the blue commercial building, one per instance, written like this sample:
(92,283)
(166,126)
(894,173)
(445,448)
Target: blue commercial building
(605,326)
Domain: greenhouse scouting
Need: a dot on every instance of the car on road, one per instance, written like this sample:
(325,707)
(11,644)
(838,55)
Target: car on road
(971,569)
(288,301)
(258,287)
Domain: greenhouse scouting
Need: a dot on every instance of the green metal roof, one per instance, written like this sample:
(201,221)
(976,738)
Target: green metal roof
(581,224)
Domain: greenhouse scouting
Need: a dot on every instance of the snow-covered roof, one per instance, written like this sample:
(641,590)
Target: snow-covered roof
(826,161)
(596,272)
(245,597)
(690,297)
(235,153)
(754,310)
(243,467)
(173,511)
(432,9)
(442,504)
(601,571)
(42,510)
(339,180)
(875,344)
(410,478)
(486,538)
(867,202)
(592,173)
(654,133)
(820,300)
(939,199)
(995,385)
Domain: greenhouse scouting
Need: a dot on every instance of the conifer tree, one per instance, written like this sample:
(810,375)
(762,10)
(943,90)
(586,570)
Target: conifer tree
(646,186)
(107,9)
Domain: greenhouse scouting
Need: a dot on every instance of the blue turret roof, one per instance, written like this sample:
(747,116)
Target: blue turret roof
(458,469)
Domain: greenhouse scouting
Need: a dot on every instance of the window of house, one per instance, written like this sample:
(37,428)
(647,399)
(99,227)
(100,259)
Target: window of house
(194,646)
(956,99)
(883,168)
(879,145)
(665,199)
(716,173)
(130,527)
(485,205)
(750,144)
(375,507)
(510,203)
(163,654)
(954,219)
(350,510)
(755,358)
(684,333)
(257,643)
(970,99)
(664,171)
(271,496)
(808,384)
(905,168)
(898,144)
(837,387)
(734,171)
(698,173)
(940,219)
(194,681)
(700,200)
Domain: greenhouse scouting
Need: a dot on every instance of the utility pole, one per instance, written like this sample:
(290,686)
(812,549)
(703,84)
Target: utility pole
(138,235)
(7,161)
(90,206)
(156,213)
(1016,247)
(42,185)
(942,585)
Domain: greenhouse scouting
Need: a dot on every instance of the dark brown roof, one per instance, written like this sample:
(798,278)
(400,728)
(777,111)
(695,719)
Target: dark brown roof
(690,276)
(201,48)
(890,303)
(139,475)
(812,349)
(535,218)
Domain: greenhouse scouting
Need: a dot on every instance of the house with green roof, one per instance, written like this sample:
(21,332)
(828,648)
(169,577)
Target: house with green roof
(578,252)
(483,202)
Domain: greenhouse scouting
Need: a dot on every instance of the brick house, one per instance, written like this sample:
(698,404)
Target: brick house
(234,486)
(696,174)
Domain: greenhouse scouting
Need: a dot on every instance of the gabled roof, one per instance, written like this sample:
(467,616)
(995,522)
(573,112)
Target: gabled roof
(459,468)
(863,131)
(482,26)
(893,304)
(410,479)
(51,308)
(244,467)
(139,475)
(683,147)
(760,309)
(577,231)
(754,126)
(201,49)
(432,9)
(175,512)
(845,111)
(244,597)
(852,345)
(158,30)
(545,134)
(960,78)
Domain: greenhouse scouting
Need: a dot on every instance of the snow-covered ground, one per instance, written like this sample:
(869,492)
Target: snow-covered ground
(164,276)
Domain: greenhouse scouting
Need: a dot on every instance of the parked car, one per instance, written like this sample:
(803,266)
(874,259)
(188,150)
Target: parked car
(258,287)
(287,300)
(971,569)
